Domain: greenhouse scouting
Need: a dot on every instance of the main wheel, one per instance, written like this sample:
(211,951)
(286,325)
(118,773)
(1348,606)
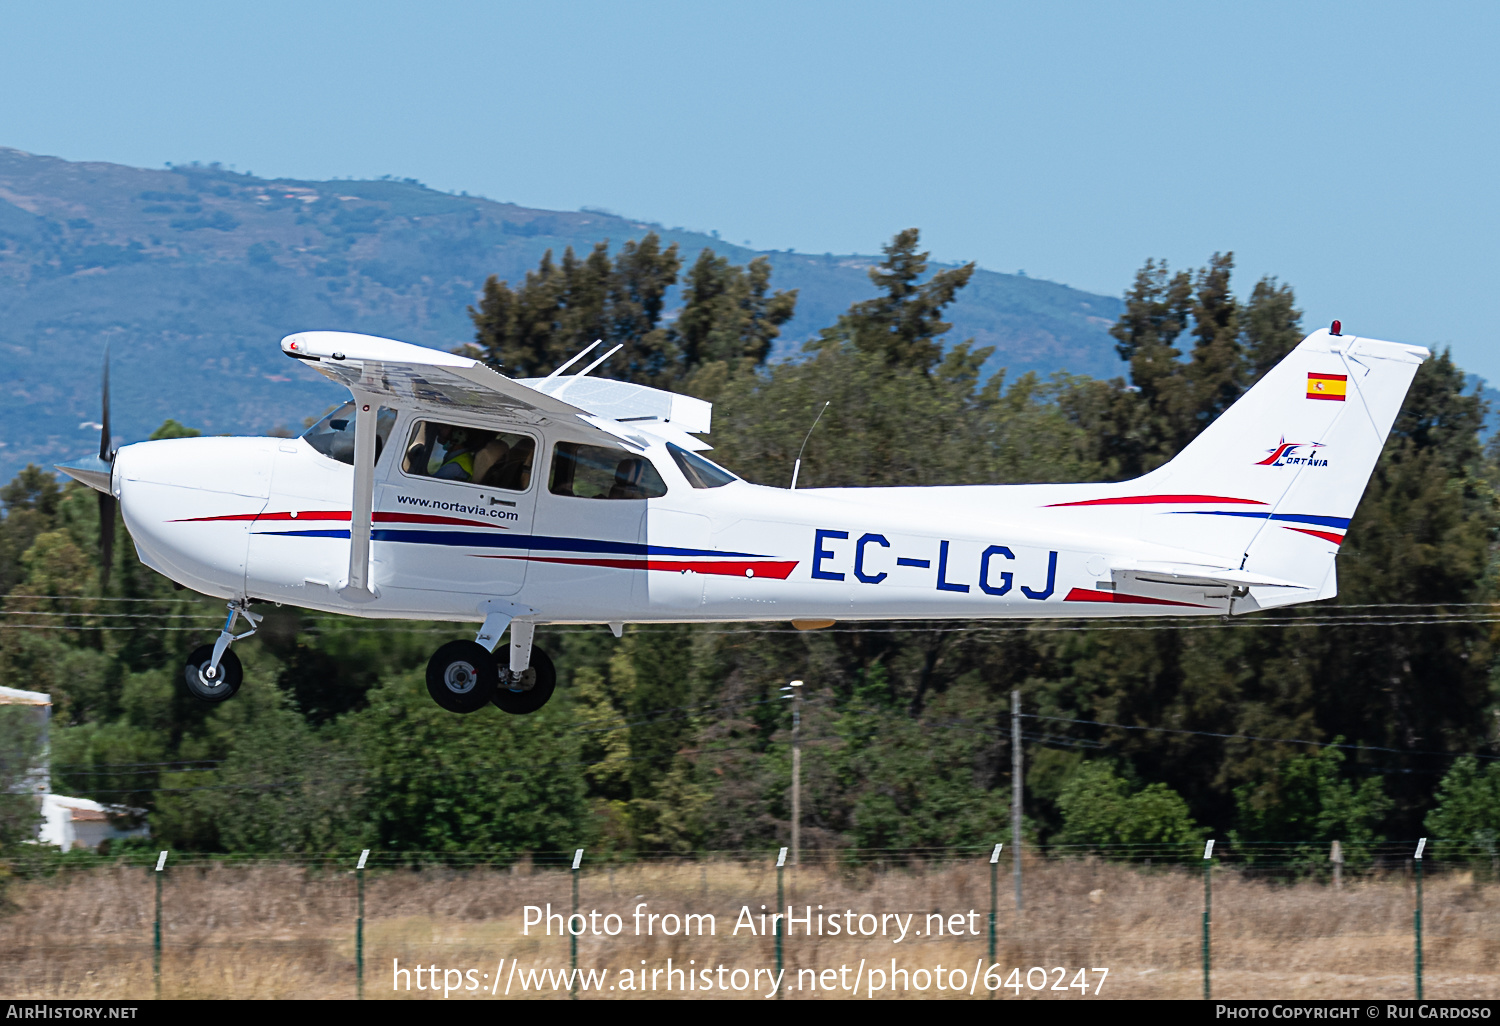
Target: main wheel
(461,676)
(529,691)
(224,682)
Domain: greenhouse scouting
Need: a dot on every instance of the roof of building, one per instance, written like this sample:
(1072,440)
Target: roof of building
(15,696)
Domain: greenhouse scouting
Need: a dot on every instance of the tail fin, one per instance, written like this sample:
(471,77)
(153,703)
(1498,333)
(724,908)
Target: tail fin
(1282,470)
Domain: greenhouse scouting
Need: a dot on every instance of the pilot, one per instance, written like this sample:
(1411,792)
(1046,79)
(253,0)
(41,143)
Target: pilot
(457,459)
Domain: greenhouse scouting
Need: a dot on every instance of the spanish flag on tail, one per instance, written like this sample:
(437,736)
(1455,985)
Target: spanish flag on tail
(1327,386)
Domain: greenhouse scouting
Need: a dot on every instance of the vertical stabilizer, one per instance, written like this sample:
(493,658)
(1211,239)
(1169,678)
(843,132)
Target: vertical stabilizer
(1289,462)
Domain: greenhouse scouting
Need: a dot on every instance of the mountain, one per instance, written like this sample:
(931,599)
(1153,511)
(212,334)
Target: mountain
(192,275)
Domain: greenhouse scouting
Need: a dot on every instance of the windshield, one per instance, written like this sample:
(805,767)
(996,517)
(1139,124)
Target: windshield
(333,436)
(699,472)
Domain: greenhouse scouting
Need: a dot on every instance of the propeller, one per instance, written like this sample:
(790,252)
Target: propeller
(106,498)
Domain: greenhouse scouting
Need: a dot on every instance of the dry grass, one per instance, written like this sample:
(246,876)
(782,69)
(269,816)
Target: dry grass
(271,931)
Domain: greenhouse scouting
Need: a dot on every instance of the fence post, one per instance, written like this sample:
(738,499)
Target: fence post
(573,937)
(994,879)
(1016,785)
(1208,905)
(359,929)
(1336,856)
(1417,917)
(161,864)
(776,923)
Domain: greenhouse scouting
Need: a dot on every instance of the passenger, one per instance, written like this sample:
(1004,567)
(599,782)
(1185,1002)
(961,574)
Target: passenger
(457,459)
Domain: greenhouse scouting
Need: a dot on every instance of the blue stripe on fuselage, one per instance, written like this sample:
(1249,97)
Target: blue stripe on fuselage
(536,543)
(1342,523)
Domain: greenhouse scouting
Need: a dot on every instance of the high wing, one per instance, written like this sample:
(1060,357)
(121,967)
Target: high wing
(416,377)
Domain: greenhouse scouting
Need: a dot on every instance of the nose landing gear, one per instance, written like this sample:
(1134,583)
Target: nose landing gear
(213,673)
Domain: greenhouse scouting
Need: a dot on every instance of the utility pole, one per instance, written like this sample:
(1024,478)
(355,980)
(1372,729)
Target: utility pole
(795,694)
(1015,790)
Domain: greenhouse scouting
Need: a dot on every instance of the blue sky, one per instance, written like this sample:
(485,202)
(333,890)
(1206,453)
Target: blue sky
(1350,149)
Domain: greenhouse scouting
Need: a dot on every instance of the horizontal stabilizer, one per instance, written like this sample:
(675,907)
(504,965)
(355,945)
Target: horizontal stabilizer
(1190,575)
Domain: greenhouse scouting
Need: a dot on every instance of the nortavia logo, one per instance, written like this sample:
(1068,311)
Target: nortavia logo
(1286,455)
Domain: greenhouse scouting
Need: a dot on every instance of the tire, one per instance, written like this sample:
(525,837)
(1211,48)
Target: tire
(461,677)
(543,682)
(230,675)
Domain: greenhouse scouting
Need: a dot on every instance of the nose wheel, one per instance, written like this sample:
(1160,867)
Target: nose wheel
(209,683)
(213,673)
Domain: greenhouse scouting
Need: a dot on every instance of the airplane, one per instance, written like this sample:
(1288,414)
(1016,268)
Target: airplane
(445,491)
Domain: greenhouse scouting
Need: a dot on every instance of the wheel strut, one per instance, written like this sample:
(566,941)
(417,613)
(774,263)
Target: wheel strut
(227,635)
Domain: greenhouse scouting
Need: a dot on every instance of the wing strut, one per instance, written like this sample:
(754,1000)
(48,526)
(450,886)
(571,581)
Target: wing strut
(357,588)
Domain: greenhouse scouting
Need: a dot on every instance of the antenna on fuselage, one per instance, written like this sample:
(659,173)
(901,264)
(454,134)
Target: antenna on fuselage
(797,467)
(570,361)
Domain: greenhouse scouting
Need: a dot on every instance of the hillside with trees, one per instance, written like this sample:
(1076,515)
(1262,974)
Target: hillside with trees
(193,273)
(1369,717)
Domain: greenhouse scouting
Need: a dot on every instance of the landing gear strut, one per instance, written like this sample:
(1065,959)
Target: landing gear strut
(213,673)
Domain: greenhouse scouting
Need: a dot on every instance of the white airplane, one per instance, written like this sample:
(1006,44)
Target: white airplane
(445,491)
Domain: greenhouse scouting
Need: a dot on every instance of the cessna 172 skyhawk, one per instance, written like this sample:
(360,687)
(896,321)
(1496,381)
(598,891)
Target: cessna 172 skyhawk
(446,491)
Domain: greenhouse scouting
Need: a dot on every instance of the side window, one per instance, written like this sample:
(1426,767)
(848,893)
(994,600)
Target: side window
(451,452)
(600,472)
(699,472)
(333,436)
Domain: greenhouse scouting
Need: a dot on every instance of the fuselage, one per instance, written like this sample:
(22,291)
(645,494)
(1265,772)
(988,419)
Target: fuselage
(268,519)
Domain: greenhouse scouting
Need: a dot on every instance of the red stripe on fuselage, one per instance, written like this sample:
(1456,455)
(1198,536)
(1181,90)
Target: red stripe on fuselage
(1146,500)
(1089,595)
(777,571)
(1329,536)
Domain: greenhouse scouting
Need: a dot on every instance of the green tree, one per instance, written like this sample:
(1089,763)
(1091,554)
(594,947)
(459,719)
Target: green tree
(482,782)
(1467,814)
(903,324)
(1099,807)
(1305,804)
(727,315)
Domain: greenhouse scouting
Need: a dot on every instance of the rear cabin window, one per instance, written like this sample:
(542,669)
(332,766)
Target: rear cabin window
(601,472)
(333,436)
(452,452)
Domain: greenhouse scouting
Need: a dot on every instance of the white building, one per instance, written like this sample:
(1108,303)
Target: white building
(66,822)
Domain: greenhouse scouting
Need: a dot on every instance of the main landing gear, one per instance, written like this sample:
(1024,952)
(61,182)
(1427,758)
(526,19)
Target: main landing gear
(213,673)
(465,676)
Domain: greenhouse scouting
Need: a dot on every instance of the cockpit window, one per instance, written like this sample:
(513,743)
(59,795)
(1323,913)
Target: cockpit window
(699,472)
(333,436)
(601,472)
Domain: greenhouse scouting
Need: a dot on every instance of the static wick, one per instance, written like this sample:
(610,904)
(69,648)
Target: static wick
(362,856)
(781,859)
(995,855)
(578,858)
